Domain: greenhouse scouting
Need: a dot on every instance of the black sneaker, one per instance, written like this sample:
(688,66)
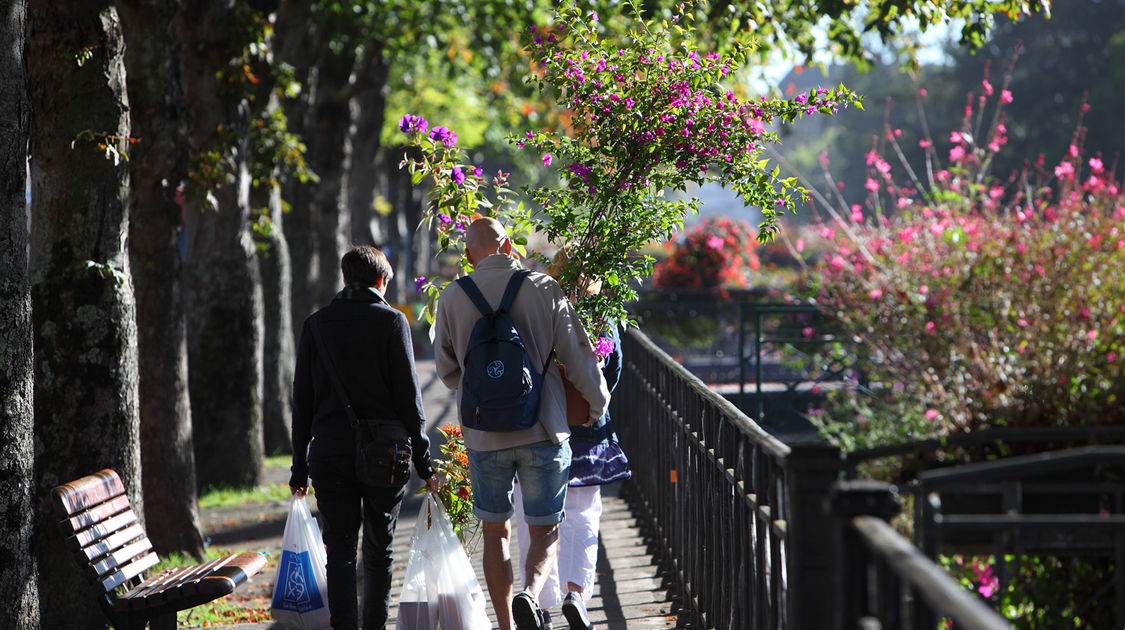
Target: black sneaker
(526,613)
(546,625)
(575,612)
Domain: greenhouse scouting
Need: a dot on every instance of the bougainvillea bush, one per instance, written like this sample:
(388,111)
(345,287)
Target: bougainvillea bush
(975,301)
(716,253)
(647,114)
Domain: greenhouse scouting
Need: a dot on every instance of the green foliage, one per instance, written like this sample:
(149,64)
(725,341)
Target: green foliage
(1043,592)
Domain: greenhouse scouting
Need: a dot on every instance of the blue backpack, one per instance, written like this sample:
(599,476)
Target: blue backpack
(500,388)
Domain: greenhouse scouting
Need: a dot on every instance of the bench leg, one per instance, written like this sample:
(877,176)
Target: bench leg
(163,622)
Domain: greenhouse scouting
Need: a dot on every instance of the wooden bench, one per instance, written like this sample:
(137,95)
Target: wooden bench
(114,552)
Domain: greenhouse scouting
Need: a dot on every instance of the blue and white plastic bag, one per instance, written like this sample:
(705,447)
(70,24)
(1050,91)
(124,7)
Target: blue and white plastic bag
(300,596)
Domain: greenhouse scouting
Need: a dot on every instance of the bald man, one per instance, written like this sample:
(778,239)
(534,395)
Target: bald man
(539,457)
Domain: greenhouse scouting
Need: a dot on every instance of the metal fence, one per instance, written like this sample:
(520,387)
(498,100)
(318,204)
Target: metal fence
(740,519)
(736,514)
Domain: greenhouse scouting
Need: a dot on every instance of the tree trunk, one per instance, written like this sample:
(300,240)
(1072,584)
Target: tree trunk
(85,336)
(158,166)
(368,113)
(410,256)
(318,215)
(298,42)
(223,281)
(278,351)
(19,578)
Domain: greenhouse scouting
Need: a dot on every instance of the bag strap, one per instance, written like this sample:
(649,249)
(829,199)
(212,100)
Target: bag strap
(513,288)
(339,387)
(466,283)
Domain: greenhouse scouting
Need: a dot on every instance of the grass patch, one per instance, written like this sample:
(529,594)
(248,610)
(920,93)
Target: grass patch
(223,613)
(224,497)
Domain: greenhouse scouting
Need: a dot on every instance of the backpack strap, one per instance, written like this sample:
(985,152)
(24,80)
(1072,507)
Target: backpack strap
(514,284)
(470,288)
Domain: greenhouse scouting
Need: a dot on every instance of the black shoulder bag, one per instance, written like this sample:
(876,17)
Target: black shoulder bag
(383,459)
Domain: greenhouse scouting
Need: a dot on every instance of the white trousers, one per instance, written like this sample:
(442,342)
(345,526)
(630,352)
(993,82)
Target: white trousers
(578,543)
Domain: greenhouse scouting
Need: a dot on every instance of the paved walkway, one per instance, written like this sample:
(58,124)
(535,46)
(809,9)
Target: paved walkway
(628,592)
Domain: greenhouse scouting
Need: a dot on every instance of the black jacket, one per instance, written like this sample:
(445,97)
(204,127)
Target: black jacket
(374,358)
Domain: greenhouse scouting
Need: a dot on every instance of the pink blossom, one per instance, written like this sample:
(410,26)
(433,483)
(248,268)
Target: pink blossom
(987,87)
(714,243)
(955,137)
(1091,334)
(800,245)
(922,92)
(857,214)
(827,233)
(1096,165)
(1005,96)
(931,414)
(547,159)
(931,327)
(1072,151)
(875,294)
(871,185)
(956,154)
(925,144)
(1064,170)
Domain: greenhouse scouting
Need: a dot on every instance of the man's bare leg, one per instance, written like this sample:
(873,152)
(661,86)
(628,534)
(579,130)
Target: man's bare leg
(542,554)
(497,561)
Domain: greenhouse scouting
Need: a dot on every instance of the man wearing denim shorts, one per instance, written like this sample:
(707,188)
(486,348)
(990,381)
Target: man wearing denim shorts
(540,456)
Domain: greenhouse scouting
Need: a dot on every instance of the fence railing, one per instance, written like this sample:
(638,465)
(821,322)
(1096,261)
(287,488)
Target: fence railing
(738,518)
(738,514)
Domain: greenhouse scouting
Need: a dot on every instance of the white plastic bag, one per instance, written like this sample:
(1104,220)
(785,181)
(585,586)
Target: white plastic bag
(300,597)
(414,610)
(440,588)
(460,600)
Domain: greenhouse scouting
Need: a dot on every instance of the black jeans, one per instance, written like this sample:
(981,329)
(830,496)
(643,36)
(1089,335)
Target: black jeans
(344,503)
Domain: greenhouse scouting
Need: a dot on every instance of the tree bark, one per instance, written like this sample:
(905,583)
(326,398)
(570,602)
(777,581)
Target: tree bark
(19,577)
(319,209)
(223,280)
(409,257)
(84,325)
(278,350)
(153,30)
(368,114)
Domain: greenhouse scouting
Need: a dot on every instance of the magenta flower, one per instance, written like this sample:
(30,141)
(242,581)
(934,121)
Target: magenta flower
(411,124)
(443,135)
(604,347)
(547,159)
(418,283)
(445,218)
(458,176)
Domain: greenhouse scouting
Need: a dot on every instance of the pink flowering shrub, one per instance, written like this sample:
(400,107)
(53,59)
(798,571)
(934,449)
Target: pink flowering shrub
(978,302)
(717,253)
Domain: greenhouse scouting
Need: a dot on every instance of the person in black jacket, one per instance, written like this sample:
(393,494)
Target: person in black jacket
(371,349)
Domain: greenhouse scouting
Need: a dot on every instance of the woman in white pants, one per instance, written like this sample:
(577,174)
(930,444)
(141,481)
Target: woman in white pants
(597,460)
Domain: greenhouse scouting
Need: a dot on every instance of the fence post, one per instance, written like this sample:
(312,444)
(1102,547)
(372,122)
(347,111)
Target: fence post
(811,469)
(846,500)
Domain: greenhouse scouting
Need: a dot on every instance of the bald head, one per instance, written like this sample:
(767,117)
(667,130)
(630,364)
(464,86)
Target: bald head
(484,238)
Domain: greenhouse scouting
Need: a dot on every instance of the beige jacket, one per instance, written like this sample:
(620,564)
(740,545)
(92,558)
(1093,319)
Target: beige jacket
(545,320)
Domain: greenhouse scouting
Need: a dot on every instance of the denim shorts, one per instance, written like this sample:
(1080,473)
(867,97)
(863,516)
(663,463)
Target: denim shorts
(543,472)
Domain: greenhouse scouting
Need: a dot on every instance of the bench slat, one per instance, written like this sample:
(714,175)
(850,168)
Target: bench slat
(109,544)
(88,491)
(105,528)
(98,513)
(123,557)
(130,571)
